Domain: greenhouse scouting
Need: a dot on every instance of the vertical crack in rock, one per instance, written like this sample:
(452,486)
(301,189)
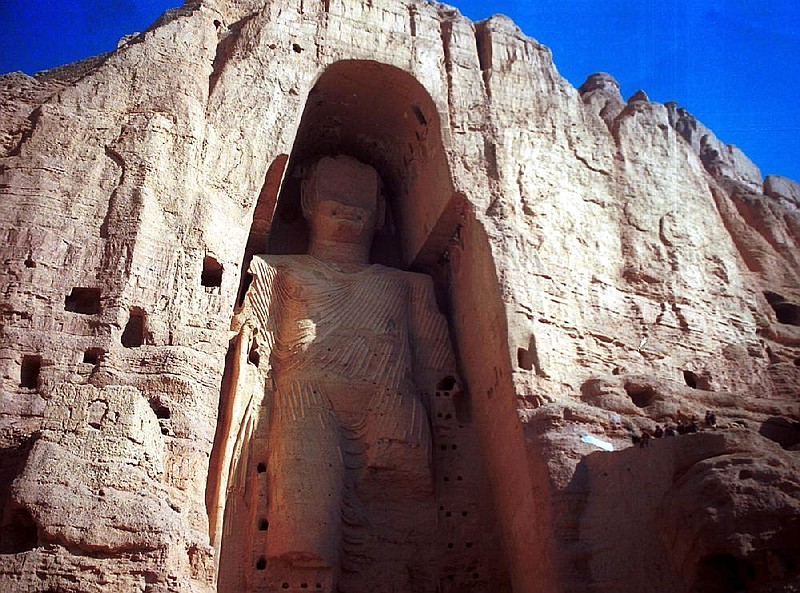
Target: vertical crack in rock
(117,159)
(446,34)
(226,49)
(483,42)
(412,18)
(27,131)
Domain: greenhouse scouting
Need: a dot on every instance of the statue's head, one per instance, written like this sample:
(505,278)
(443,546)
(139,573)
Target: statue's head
(342,201)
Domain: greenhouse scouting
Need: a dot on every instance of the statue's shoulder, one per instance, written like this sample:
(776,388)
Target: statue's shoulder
(271,261)
(415,279)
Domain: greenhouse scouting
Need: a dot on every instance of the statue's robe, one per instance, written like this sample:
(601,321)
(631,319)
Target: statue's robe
(354,357)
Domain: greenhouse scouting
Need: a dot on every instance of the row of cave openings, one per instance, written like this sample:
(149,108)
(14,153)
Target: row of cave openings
(86,301)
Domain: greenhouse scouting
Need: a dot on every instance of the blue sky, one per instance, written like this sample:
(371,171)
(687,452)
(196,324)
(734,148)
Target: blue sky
(735,64)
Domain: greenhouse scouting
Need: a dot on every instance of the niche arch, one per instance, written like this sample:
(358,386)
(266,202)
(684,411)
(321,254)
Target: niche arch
(384,117)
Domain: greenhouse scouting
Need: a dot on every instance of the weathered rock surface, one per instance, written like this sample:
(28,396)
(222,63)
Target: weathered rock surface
(605,266)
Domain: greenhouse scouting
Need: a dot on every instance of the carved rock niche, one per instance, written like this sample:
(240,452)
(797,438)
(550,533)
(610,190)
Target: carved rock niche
(404,524)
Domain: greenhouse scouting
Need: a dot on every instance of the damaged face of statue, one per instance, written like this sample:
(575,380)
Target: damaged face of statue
(336,221)
(342,202)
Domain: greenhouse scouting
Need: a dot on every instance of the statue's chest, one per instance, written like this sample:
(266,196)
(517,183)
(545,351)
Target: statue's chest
(368,302)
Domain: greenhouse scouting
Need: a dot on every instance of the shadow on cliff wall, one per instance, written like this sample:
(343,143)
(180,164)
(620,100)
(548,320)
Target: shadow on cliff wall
(18,531)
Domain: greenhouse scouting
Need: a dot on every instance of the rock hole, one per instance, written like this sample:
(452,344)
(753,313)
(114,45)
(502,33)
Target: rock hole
(450,546)
(641,395)
(304,585)
(447,383)
(161,411)
(217,24)
(524,359)
(467,544)
(296,48)
(782,431)
(263,525)
(262,564)
(29,263)
(696,381)
(785,311)
(261,467)
(318,586)
(18,529)
(797,362)
(133,334)
(85,301)
(19,532)
(285,586)
(464,513)
(723,573)
(212,273)
(92,355)
(253,356)
(29,373)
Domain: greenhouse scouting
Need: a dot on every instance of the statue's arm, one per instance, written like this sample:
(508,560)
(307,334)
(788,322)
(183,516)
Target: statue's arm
(262,303)
(243,385)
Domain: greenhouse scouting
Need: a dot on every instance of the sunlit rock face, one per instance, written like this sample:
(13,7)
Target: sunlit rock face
(605,266)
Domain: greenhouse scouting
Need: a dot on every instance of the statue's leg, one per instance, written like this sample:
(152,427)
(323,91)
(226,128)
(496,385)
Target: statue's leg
(306,484)
(398,436)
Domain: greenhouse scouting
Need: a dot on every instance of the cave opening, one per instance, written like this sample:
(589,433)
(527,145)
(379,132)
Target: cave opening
(211,276)
(29,372)
(85,301)
(786,312)
(92,355)
(641,395)
(723,573)
(133,335)
(696,380)
(18,529)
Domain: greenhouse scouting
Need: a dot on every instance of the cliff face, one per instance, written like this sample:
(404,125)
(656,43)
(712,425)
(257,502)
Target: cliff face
(606,266)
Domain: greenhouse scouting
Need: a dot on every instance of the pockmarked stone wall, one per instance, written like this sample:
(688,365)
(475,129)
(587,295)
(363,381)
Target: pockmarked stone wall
(609,270)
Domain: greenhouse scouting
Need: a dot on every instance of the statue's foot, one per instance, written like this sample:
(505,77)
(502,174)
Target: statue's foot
(299,572)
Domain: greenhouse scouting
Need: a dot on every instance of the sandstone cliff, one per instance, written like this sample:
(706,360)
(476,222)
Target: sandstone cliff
(605,265)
